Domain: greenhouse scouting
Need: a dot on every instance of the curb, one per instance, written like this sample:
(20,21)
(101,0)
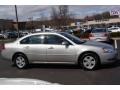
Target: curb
(116,38)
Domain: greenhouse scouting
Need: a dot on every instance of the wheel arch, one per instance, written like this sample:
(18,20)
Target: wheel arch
(86,53)
(18,53)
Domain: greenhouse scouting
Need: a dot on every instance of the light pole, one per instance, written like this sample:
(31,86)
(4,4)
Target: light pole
(17,20)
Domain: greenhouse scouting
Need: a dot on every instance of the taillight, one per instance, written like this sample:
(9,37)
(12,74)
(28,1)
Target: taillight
(2,47)
(91,35)
(105,34)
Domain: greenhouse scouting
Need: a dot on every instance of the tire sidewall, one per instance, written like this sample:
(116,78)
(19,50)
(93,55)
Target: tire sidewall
(94,56)
(25,59)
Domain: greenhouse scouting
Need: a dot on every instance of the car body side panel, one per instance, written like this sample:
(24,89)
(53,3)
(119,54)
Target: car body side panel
(34,52)
(84,48)
(61,53)
(9,50)
(104,57)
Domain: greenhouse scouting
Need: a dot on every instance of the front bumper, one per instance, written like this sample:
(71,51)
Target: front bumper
(109,57)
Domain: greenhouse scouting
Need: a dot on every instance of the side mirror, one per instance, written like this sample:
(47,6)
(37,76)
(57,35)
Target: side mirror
(65,43)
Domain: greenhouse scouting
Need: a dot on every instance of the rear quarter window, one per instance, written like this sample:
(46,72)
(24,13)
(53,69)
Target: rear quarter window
(36,39)
(25,41)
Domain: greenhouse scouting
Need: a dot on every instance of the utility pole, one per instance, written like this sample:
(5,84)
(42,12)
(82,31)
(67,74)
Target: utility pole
(17,20)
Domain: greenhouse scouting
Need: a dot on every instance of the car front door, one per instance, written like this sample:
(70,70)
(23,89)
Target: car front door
(57,51)
(33,47)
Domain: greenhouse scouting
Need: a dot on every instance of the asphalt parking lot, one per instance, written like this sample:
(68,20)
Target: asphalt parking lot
(65,74)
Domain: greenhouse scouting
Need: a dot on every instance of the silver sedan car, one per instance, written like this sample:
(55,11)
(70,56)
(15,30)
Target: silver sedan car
(58,48)
(100,34)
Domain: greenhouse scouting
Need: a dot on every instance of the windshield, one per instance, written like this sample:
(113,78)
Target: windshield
(73,38)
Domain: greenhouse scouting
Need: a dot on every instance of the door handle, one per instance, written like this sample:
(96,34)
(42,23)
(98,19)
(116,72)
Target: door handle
(50,48)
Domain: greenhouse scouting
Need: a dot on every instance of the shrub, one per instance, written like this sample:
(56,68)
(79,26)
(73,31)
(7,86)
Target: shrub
(115,34)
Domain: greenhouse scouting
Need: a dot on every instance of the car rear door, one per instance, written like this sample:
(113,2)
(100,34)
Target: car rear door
(34,48)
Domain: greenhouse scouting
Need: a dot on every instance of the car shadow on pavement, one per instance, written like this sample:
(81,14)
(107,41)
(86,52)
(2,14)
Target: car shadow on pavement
(111,65)
(62,66)
(53,66)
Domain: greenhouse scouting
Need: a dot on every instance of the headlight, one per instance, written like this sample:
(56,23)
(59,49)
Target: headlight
(107,50)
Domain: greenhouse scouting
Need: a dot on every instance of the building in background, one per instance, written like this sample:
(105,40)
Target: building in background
(5,25)
(102,23)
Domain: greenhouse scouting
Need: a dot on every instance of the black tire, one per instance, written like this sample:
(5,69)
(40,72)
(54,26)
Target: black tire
(21,64)
(94,61)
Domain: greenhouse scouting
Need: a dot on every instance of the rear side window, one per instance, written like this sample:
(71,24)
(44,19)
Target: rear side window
(98,30)
(88,31)
(36,39)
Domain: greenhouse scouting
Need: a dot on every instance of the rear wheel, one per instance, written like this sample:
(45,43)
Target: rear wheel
(20,61)
(89,61)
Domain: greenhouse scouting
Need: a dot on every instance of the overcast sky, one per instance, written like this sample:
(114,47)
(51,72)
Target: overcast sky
(38,11)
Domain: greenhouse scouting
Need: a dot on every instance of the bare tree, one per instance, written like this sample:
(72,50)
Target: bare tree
(63,14)
(43,17)
(54,14)
(63,11)
(60,17)
(30,24)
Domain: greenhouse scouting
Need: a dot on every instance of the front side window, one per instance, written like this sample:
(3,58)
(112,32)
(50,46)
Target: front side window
(54,39)
(72,38)
(36,39)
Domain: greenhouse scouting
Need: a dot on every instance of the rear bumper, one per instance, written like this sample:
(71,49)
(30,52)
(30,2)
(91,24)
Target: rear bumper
(99,38)
(6,55)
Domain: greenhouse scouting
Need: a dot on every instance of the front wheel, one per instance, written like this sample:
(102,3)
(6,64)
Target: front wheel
(20,61)
(89,61)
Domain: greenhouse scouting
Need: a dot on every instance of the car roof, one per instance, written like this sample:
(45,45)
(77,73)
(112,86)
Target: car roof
(44,33)
(57,33)
(38,34)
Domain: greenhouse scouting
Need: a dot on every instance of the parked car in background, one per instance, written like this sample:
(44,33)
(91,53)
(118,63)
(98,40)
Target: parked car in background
(3,36)
(58,48)
(85,34)
(24,33)
(114,29)
(70,31)
(48,30)
(14,34)
(11,34)
(97,34)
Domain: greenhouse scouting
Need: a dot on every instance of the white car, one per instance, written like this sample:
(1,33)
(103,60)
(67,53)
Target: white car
(3,36)
(114,29)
